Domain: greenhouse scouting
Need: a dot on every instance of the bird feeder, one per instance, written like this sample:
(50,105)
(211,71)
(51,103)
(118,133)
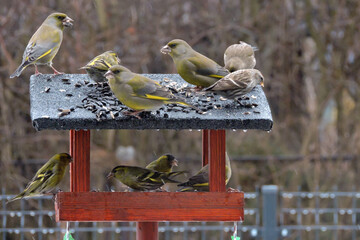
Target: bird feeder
(73,102)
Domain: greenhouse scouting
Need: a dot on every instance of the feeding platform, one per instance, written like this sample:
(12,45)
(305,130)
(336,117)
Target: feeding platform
(74,102)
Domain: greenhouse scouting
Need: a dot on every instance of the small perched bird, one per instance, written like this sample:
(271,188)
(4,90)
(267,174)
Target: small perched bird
(138,92)
(141,179)
(45,43)
(163,164)
(200,181)
(98,66)
(192,66)
(239,56)
(47,177)
(237,84)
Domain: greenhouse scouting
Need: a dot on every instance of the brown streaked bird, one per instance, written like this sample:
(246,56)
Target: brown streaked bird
(192,66)
(45,43)
(238,83)
(239,56)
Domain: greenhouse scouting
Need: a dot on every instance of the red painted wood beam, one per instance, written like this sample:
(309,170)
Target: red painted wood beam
(217,145)
(149,206)
(147,231)
(80,166)
(205,147)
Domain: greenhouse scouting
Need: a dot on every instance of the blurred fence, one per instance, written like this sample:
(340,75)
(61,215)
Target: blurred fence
(269,214)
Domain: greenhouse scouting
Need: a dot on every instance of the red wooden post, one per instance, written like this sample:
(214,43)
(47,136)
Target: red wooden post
(217,161)
(205,147)
(80,166)
(147,230)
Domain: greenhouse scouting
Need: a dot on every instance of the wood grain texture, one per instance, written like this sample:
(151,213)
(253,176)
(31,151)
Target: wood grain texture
(205,147)
(149,206)
(147,231)
(217,146)
(80,166)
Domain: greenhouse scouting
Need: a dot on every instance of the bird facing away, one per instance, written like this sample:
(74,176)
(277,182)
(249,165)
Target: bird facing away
(192,66)
(238,83)
(138,92)
(163,164)
(141,179)
(45,43)
(47,178)
(200,181)
(98,66)
(239,56)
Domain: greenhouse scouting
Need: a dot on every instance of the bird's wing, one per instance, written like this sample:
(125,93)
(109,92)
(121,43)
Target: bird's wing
(208,67)
(42,43)
(147,88)
(201,179)
(236,80)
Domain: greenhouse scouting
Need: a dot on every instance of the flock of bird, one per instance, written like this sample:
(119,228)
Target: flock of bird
(237,78)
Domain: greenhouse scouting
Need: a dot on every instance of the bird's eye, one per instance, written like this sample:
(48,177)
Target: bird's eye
(116,71)
(61,17)
(172,45)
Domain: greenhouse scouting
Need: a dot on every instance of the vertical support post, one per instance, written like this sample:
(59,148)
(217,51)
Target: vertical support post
(270,204)
(147,231)
(80,166)
(205,147)
(217,146)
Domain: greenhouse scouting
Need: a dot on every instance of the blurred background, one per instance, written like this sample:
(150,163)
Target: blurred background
(308,54)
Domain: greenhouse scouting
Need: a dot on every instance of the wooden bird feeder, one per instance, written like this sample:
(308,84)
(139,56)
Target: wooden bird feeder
(52,97)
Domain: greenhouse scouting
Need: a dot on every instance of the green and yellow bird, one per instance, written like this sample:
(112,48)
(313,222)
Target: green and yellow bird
(139,92)
(141,179)
(200,181)
(47,178)
(98,66)
(163,164)
(45,43)
(192,66)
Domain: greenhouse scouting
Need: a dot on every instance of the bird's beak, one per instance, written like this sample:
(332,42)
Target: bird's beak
(118,60)
(71,159)
(68,22)
(175,162)
(165,49)
(262,84)
(109,74)
(110,175)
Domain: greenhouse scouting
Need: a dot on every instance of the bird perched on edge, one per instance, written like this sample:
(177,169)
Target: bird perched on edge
(138,92)
(192,66)
(47,177)
(239,56)
(98,66)
(45,43)
(238,83)
(200,181)
(163,164)
(141,179)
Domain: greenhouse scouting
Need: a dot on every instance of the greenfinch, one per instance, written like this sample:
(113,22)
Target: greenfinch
(163,164)
(139,92)
(239,56)
(141,179)
(47,178)
(200,181)
(98,66)
(45,43)
(192,66)
(238,83)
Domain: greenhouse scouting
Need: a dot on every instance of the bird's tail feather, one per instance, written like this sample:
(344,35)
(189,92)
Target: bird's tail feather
(21,195)
(19,69)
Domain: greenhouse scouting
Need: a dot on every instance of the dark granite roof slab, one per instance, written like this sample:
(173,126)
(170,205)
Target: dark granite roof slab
(49,94)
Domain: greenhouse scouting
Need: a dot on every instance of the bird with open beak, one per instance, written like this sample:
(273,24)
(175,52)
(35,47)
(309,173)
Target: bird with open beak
(45,43)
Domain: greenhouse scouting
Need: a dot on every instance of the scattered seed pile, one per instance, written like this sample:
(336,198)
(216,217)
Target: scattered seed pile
(102,102)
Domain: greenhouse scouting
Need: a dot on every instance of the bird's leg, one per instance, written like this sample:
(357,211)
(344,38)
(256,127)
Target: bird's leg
(197,88)
(56,72)
(135,113)
(36,71)
(232,190)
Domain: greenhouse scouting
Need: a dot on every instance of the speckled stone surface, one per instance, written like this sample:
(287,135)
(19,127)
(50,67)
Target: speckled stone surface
(89,106)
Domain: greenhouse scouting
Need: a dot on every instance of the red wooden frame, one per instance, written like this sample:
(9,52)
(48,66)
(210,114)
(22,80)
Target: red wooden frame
(147,207)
